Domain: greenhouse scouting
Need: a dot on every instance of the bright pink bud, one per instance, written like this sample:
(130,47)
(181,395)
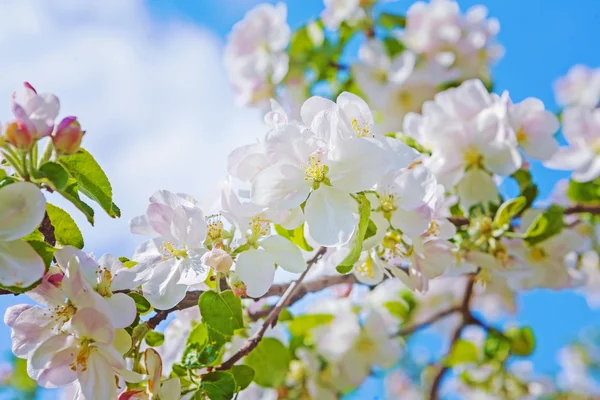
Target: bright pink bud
(28,86)
(68,135)
(19,135)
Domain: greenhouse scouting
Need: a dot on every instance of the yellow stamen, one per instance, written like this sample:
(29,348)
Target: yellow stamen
(361,131)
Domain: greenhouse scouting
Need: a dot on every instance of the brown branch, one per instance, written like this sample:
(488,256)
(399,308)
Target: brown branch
(47,230)
(467,319)
(272,318)
(434,318)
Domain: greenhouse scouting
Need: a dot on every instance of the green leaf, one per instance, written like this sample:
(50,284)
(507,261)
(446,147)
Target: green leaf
(92,180)
(44,250)
(393,47)
(71,193)
(371,230)
(522,341)
(527,188)
(243,376)
(221,311)
(546,225)
(19,379)
(130,264)
(141,304)
(66,231)
(53,174)
(462,352)
(508,210)
(364,211)
(392,21)
(584,192)
(218,385)
(496,347)
(398,309)
(270,361)
(154,339)
(296,236)
(304,323)
(179,370)
(204,347)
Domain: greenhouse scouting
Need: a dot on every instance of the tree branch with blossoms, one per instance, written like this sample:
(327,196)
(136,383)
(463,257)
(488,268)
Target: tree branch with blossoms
(375,182)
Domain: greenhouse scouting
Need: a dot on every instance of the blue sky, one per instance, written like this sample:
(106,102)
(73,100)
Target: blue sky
(543,39)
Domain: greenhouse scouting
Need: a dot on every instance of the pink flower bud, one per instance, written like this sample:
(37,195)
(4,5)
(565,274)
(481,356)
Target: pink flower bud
(218,260)
(68,135)
(19,135)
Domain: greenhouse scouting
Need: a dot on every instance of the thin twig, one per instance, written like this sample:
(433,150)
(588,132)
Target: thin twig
(434,318)
(467,319)
(272,318)
(48,230)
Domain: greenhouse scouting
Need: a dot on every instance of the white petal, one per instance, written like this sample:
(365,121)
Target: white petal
(330,216)
(153,365)
(504,160)
(569,158)
(140,225)
(356,165)
(416,186)
(188,226)
(123,277)
(122,341)
(170,389)
(58,372)
(122,309)
(256,268)
(541,149)
(589,172)
(98,379)
(245,162)
(162,290)
(285,253)
(477,187)
(20,265)
(48,349)
(313,106)
(30,328)
(414,222)
(281,186)
(93,324)
(87,263)
(22,209)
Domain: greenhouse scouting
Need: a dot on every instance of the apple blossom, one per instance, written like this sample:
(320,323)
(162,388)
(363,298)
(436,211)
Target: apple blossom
(174,255)
(580,87)
(35,112)
(68,135)
(254,55)
(581,128)
(90,352)
(22,208)
(168,389)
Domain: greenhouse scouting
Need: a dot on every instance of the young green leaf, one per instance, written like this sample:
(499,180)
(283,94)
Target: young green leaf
(522,341)
(296,236)
(66,231)
(364,211)
(91,179)
(508,210)
(221,311)
(546,225)
(219,385)
(392,21)
(270,361)
(71,193)
(53,174)
(301,324)
(154,338)
(141,304)
(243,376)
(462,352)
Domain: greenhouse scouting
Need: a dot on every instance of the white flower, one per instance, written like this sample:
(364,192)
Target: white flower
(338,11)
(175,254)
(439,31)
(581,128)
(255,55)
(534,128)
(256,267)
(335,339)
(580,87)
(91,353)
(105,276)
(22,208)
(325,177)
(590,267)
(37,111)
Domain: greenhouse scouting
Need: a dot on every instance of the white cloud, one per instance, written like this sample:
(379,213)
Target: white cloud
(153,97)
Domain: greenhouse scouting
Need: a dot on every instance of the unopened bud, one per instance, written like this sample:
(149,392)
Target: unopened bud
(218,259)
(68,135)
(19,134)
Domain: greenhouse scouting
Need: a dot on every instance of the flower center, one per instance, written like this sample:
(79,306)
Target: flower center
(215,228)
(521,135)
(365,345)
(169,251)
(82,356)
(316,171)
(361,131)
(538,254)
(104,282)
(472,157)
(259,227)
(405,99)
(365,268)
(65,313)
